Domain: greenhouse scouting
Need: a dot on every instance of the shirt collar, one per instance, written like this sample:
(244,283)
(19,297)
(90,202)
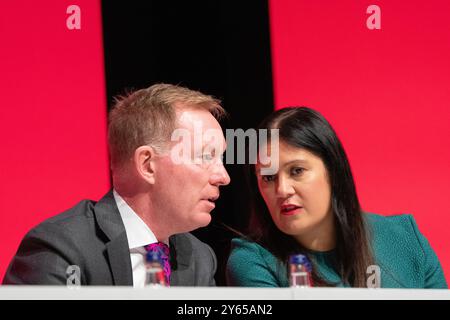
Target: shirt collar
(138,232)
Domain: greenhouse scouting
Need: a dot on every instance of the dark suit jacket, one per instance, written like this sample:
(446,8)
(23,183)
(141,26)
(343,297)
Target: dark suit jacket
(92,236)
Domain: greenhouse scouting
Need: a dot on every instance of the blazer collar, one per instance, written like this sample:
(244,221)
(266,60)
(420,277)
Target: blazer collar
(182,261)
(109,220)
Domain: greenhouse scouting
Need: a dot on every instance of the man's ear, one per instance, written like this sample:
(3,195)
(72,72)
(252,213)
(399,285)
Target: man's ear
(144,162)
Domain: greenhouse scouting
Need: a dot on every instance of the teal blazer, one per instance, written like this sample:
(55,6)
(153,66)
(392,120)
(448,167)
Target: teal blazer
(405,258)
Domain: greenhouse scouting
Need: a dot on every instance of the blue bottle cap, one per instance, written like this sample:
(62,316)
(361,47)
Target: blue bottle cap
(301,259)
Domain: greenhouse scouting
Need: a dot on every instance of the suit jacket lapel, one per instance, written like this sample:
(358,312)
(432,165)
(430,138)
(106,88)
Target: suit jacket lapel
(181,262)
(108,218)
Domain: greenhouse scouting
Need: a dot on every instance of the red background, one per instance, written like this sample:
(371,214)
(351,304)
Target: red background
(386,92)
(52,114)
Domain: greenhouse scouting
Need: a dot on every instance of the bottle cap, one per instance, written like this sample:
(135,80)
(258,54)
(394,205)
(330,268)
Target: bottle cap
(301,259)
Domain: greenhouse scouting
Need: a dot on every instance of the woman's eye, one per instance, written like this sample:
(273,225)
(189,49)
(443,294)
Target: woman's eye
(297,171)
(267,178)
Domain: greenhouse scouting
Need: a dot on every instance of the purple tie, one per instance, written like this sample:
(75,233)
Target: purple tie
(164,251)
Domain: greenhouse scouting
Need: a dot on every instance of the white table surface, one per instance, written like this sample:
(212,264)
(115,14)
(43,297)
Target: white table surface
(215,293)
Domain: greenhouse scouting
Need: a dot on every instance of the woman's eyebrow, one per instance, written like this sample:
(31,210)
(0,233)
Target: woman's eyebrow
(302,161)
(297,161)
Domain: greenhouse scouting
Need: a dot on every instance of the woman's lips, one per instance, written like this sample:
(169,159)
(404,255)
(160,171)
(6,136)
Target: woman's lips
(290,209)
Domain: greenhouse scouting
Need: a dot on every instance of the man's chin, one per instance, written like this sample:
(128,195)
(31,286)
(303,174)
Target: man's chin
(199,220)
(203,219)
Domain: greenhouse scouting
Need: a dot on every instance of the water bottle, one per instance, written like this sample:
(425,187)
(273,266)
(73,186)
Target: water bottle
(299,271)
(154,270)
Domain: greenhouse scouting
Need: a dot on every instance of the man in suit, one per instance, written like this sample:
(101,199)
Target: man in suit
(163,188)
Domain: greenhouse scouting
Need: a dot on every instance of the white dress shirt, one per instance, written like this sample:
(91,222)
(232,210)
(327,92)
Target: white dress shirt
(139,235)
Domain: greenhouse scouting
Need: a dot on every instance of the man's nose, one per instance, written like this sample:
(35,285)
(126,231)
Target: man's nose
(220,176)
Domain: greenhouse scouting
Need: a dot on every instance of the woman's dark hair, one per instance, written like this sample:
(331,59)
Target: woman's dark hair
(305,128)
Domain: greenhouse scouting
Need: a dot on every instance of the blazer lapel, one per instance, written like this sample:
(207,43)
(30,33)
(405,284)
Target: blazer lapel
(181,262)
(108,218)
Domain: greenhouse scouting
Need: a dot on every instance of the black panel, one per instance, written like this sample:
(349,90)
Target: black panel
(218,47)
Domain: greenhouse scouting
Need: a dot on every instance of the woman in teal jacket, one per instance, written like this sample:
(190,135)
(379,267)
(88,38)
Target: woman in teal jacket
(310,206)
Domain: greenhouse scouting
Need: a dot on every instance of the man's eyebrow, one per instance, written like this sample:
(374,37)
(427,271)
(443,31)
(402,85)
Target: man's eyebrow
(222,150)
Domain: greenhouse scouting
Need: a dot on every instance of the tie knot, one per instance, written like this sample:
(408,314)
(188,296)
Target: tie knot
(160,251)
(160,247)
